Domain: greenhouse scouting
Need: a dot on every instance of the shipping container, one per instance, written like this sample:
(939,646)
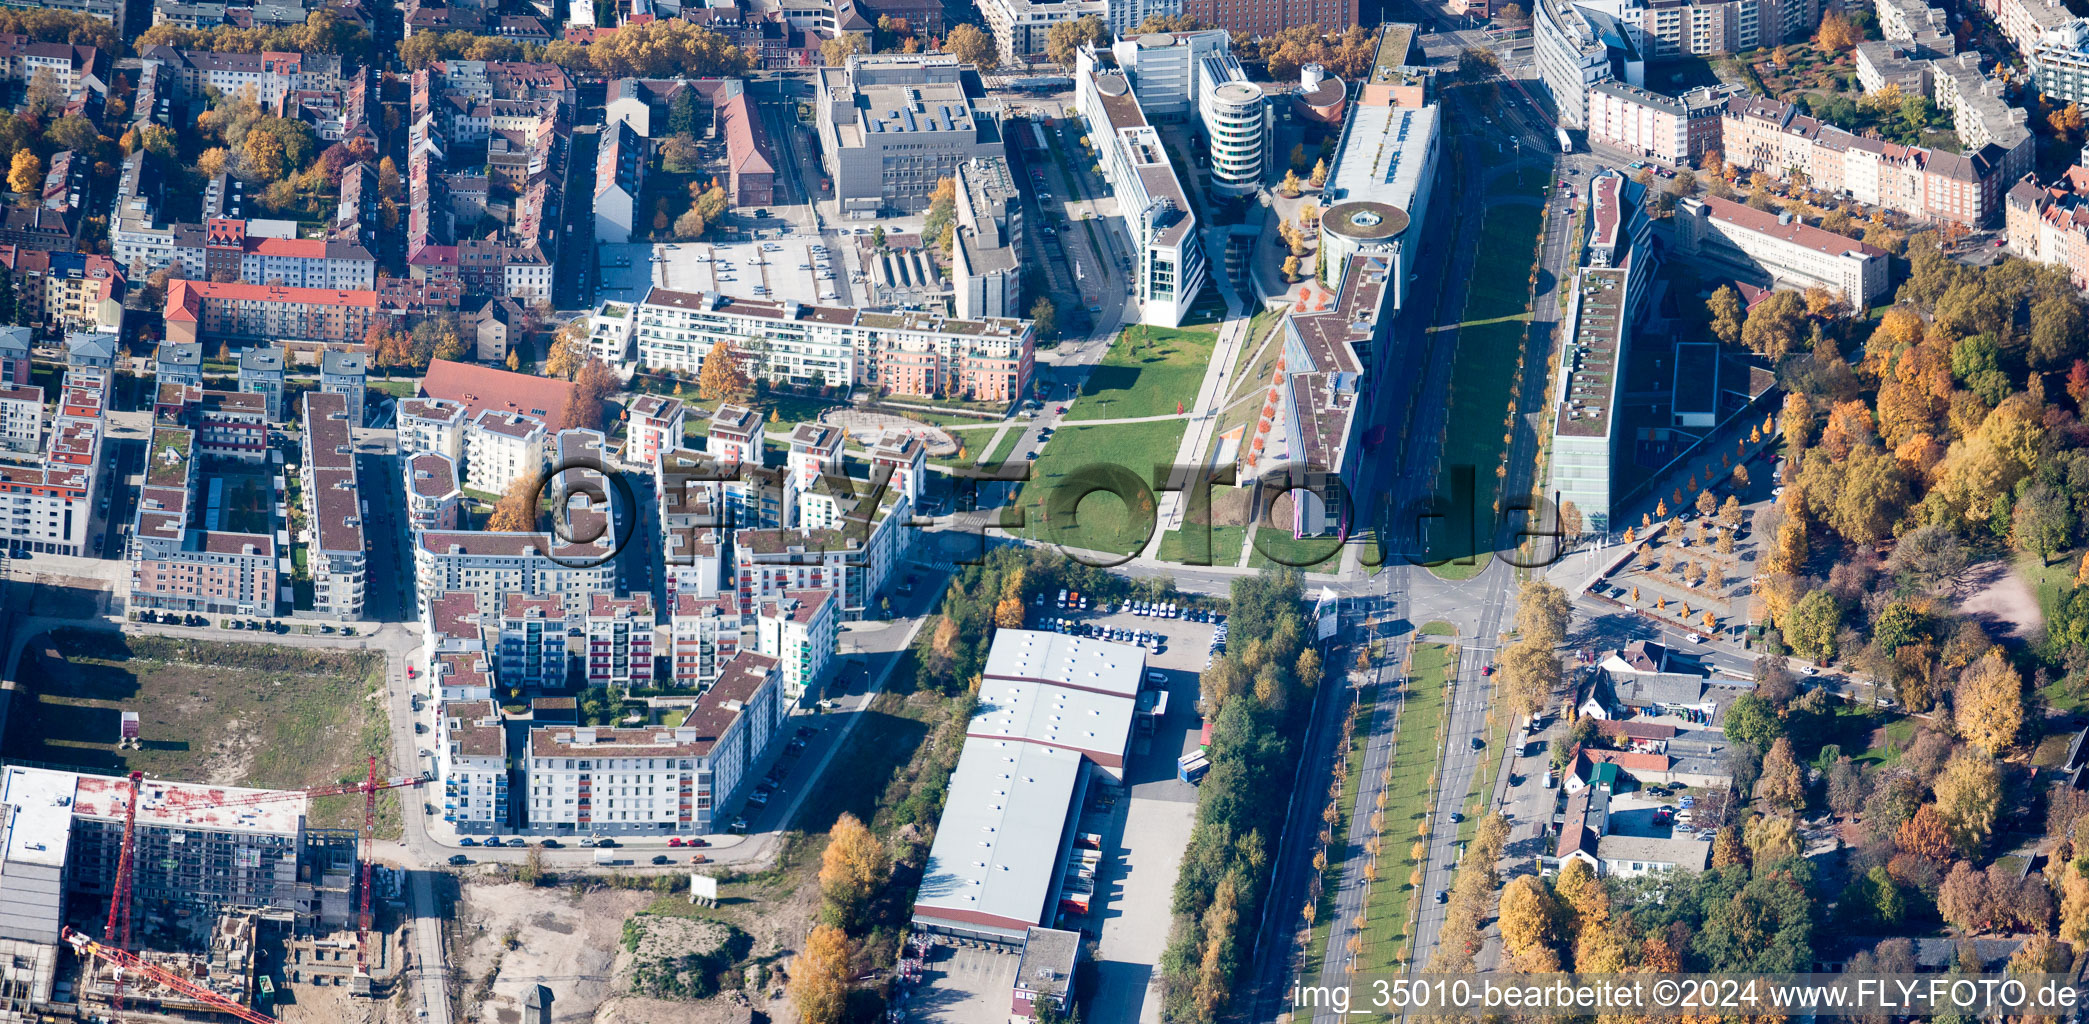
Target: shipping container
(1193,768)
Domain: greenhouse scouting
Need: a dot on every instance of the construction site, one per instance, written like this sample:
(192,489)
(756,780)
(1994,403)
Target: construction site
(128,899)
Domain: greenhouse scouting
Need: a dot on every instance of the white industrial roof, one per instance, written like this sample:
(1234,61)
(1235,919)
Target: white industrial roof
(1384,156)
(1098,665)
(997,848)
(35,832)
(1096,724)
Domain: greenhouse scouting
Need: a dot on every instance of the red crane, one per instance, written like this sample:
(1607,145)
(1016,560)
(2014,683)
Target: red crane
(120,902)
(125,963)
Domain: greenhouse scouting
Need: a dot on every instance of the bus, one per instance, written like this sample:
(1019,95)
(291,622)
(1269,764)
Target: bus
(1566,142)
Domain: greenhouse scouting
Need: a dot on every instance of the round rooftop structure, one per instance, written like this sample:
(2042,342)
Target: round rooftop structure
(1112,85)
(1364,221)
(1237,94)
(1156,40)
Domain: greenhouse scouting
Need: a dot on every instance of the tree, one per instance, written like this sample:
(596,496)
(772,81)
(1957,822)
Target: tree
(2074,907)
(1782,784)
(1837,35)
(1753,721)
(836,52)
(1969,794)
(26,174)
(690,225)
(1990,704)
(517,510)
(1543,612)
(1772,838)
(1727,314)
(970,44)
(2043,521)
(853,869)
(877,237)
(569,351)
(1290,268)
(2057,331)
(1812,626)
(1964,899)
(1067,37)
(1319,177)
(939,225)
(820,975)
(1046,317)
(1727,850)
(1931,557)
(591,386)
(721,376)
(1530,919)
(1845,787)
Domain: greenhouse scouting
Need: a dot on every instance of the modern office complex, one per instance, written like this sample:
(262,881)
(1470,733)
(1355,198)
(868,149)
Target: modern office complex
(1020,27)
(985,251)
(1169,266)
(1774,249)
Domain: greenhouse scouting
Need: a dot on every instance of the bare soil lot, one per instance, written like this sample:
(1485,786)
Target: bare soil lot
(258,715)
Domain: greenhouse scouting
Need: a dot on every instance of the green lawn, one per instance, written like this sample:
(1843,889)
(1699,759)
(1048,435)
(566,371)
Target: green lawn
(1387,942)
(2047,581)
(1079,457)
(1482,373)
(1148,371)
(1002,450)
(395,388)
(1894,739)
(1275,546)
(1188,545)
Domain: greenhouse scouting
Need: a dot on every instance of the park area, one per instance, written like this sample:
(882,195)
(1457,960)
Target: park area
(1149,371)
(1389,913)
(255,715)
(1082,457)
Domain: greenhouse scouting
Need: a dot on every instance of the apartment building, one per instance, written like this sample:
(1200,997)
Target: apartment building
(501,448)
(537,641)
(1671,130)
(1775,249)
(67,291)
(619,641)
(2060,62)
(433,425)
(268,77)
(434,500)
(492,564)
(1772,137)
(892,125)
(209,312)
(1020,27)
(853,561)
(1168,268)
(2025,22)
(800,629)
(1576,46)
(261,373)
(180,568)
(471,759)
(15,343)
(334,548)
(620,167)
(21,418)
(703,637)
(49,503)
(986,360)
(657,780)
(346,374)
(228,424)
(2050,224)
(657,423)
(1269,17)
(231,249)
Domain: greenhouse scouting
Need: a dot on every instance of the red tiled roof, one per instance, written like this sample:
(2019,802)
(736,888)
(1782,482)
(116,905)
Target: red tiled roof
(480,388)
(185,297)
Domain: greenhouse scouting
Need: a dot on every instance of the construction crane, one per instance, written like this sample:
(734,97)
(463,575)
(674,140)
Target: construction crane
(120,908)
(126,963)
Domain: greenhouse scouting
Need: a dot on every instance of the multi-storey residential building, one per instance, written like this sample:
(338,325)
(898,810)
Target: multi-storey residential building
(800,629)
(492,564)
(69,67)
(1776,249)
(1981,113)
(261,373)
(657,424)
(620,168)
(471,759)
(68,291)
(434,500)
(703,636)
(1772,137)
(853,559)
(893,125)
(21,418)
(535,641)
(206,311)
(345,374)
(479,388)
(1168,266)
(645,102)
(269,77)
(334,550)
(227,249)
(433,425)
(1019,27)
(2026,22)
(2060,62)
(1574,47)
(1673,130)
(792,343)
(619,641)
(658,780)
(2051,224)
(176,567)
(1269,17)
(48,505)
(228,424)
(176,363)
(985,251)
(15,343)
(501,448)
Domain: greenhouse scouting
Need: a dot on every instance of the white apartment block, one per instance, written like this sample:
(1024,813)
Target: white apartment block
(502,447)
(657,780)
(21,418)
(471,759)
(453,647)
(703,635)
(491,565)
(434,501)
(535,642)
(657,424)
(620,641)
(2060,62)
(800,629)
(48,505)
(333,509)
(433,425)
(1020,27)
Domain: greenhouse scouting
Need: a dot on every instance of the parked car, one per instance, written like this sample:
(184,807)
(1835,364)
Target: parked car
(459,860)
(660,858)
(467,841)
